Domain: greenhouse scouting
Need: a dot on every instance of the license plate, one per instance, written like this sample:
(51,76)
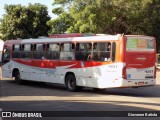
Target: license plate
(140,83)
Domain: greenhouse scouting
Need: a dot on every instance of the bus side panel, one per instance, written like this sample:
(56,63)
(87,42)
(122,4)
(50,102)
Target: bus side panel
(28,71)
(103,76)
(7,70)
(51,74)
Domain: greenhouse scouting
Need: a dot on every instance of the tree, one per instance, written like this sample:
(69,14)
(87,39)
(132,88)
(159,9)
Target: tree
(24,22)
(102,16)
(64,20)
(152,21)
(61,24)
(108,16)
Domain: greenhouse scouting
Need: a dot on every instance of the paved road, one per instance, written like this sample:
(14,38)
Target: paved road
(49,97)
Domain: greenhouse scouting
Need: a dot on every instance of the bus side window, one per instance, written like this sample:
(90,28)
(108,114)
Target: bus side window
(83,51)
(67,51)
(52,51)
(34,47)
(113,51)
(78,55)
(77,47)
(79,51)
(39,51)
(73,46)
(96,52)
(108,46)
(26,51)
(101,51)
(16,51)
(22,47)
(108,52)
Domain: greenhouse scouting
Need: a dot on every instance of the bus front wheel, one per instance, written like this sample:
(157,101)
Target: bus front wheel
(71,83)
(18,77)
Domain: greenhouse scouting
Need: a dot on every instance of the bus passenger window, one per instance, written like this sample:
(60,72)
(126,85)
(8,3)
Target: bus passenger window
(96,53)
(78,53)
(26,51)
(113,51)
(16,51)
(67,51)
(73,47)
(101,51)
(95,48)
(109,47)
(108,52)
(52,51)
(39,51)
(62,47)
(84,51)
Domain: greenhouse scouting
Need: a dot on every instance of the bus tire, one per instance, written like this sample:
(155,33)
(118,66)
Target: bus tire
(71,83)
(18,78)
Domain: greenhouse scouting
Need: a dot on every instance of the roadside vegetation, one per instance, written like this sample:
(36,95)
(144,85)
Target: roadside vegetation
(82,16)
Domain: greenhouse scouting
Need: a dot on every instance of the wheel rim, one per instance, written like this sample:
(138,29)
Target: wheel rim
(71,83)
(17,78)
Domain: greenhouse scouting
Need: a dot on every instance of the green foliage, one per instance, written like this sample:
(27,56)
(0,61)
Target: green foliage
(105,16)
(108,16)
(61,24)
(24,22)
(64,20)
(152,21)
(58,11)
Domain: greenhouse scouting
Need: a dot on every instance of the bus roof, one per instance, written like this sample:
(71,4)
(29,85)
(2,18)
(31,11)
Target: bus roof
(138,36)
(73,39)
(97,37)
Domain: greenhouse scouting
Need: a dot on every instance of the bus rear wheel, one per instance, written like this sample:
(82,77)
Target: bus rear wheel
(18,78)
(71,83)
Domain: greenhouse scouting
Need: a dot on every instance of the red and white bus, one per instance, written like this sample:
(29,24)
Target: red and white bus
(99,61)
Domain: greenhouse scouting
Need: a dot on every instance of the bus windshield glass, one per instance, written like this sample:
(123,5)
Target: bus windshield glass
(139,44)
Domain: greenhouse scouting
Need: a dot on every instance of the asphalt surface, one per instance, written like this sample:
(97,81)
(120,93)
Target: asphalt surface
(33,96)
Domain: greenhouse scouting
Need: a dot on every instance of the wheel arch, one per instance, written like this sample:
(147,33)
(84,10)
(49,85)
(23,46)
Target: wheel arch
(68,73)
(14,71)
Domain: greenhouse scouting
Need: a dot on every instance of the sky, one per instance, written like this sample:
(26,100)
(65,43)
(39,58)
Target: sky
(48,3)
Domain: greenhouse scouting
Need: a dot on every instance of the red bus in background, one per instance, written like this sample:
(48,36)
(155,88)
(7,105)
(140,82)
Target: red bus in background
(77,61)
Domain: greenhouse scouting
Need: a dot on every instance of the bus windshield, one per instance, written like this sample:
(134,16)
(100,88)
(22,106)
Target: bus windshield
(140,44)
